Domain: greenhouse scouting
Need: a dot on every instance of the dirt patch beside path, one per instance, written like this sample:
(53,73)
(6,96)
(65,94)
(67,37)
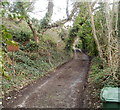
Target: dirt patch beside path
(62,88)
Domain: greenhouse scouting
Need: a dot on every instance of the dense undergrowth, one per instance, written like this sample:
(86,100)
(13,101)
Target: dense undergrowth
(98,78)
(23,67)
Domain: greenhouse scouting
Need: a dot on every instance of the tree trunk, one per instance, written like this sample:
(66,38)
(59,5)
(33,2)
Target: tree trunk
(33,31)
(50,9)
(118,24)
(118,28)
(109,32)
(94,32)
(67,11)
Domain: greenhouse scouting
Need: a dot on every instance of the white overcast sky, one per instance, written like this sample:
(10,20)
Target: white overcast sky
(59,11)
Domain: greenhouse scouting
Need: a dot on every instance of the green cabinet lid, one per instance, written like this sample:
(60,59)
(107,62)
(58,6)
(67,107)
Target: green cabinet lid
(110,94)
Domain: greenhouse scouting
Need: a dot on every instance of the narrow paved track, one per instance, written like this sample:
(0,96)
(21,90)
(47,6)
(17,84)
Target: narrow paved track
(62,88)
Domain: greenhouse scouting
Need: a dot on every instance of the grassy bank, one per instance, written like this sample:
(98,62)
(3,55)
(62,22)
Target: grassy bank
(98,78)
(22,67)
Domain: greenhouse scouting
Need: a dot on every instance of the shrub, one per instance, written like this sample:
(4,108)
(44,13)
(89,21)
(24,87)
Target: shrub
(21,36)
(101,77)
(31,46)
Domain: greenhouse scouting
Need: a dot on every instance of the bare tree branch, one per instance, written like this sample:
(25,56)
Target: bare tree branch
(61,22)
(67,10)
(93,4)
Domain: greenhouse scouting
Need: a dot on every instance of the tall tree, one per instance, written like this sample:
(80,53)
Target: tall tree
(22,8)
(104,31)
(118,26)
(46,20)
(109,31)
(94,32)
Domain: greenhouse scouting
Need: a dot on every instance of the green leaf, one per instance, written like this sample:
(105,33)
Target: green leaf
(9,42)
(6,76)
(8,36)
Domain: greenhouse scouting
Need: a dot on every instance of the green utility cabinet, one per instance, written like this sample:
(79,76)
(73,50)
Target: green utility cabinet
(110,97)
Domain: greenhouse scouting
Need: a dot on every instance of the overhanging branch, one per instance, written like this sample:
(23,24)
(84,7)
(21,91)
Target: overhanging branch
(61,22)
